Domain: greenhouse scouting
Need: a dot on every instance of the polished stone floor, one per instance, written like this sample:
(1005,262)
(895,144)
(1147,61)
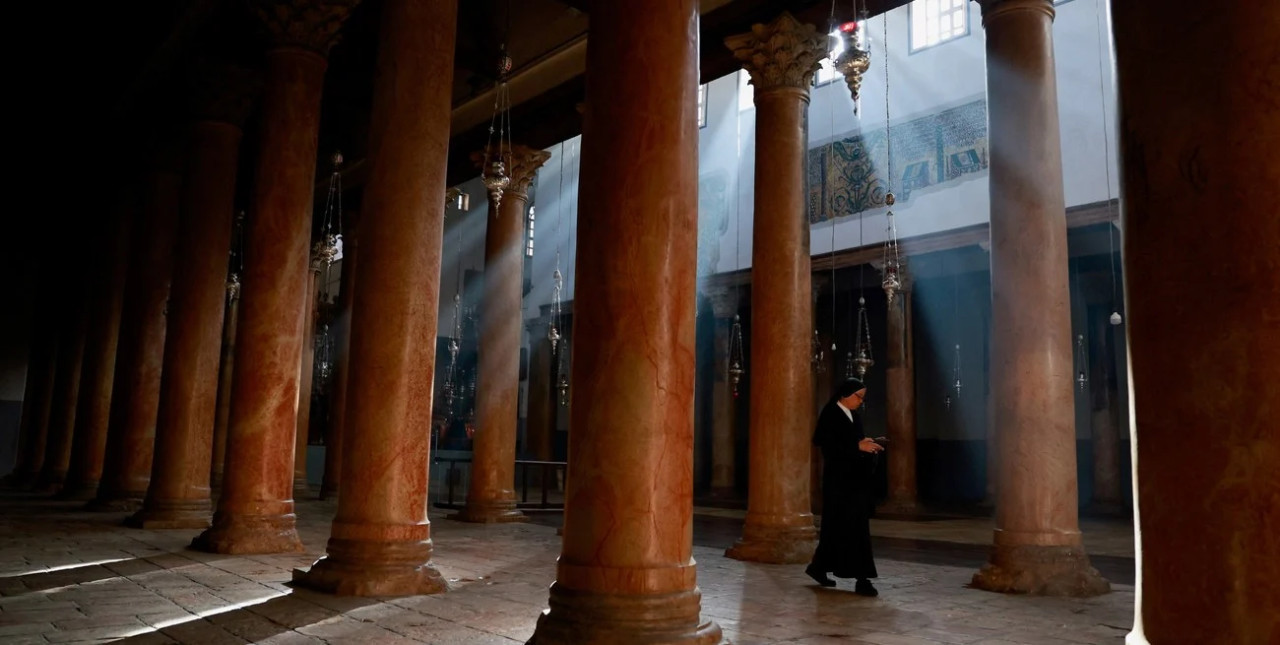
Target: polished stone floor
(70,576)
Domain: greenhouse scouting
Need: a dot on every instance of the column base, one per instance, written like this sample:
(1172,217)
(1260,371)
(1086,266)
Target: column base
(1041,571)
(328,492)
(489,512)
(50,482)
(900,507)
(240,534)
(166,514)
(622,619)
(775,544)
(116,502)
(302,490)
(360,568)
(80,492)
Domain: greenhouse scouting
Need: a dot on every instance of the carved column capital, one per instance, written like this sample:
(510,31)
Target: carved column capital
(522,164)
(781,54)
(724,301)
(992,9)
(222,93)
(307,24)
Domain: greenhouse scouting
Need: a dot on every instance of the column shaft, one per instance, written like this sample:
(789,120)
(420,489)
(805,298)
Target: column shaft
(900,391)
(66,386)
(490,495)
(342,337)
(1201,181)
(306,372)
(135,395)
(542,395)
(37,401)
(626,572)
(723,418)
(779,525)
(179,493)
(226,365)
(1104,415)
(1037,548)
(380,543)
(255,510)
(93,415)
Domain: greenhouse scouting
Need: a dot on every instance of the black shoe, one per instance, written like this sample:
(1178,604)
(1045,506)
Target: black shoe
(864,588)
(819,576)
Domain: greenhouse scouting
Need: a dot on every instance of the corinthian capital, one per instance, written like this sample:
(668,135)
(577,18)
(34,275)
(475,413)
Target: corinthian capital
(222,93)
(522,163)
(307,24)
(783,53)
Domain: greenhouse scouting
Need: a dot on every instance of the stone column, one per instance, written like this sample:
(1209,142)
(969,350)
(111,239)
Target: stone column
(490,495)
(1104,412)
(342,337)
(782,58)
(626,572)
(542,392)
(303,433)
(1037,546)
(37,401)
(900,395)
(225,366)
(178,497)
(380,543)
(1203,371)
(93,415)
(135,395)
(66,384)
(255,510)
(724,418)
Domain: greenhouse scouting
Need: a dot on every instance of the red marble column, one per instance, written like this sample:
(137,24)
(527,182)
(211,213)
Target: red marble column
(540,422)
(93,415)
(37,401)
(380,544)
(1037,545)
(900,395)
(225,366)
(66,382)
(342,335)
(178,497)
(255,511)
(1201,180)
(135,394)
(491,496)
(303,432)
(782,58)
(626,572)
(724,417)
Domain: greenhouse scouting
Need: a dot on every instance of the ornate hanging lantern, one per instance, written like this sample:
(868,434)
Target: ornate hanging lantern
(892,283)
(494,171)
(1082,364)
(329,248)
(737,362)
(855,56)
(861,355)
(819,365)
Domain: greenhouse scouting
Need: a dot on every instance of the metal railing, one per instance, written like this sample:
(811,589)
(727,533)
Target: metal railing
(450,477)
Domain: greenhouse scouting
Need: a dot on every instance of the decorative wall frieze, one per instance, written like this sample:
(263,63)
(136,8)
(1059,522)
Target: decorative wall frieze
(781,54)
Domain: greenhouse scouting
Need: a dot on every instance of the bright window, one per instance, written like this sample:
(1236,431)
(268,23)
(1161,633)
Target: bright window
(702,106)
(746,91)
(934,22)
(827,72)
(528,249)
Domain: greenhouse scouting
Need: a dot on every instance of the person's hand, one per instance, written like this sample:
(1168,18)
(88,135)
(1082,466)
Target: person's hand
(870,446)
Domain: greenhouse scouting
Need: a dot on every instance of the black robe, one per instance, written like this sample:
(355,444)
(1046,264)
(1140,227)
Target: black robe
(844,542)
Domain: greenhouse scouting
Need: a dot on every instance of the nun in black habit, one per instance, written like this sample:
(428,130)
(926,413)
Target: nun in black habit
(848,461)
